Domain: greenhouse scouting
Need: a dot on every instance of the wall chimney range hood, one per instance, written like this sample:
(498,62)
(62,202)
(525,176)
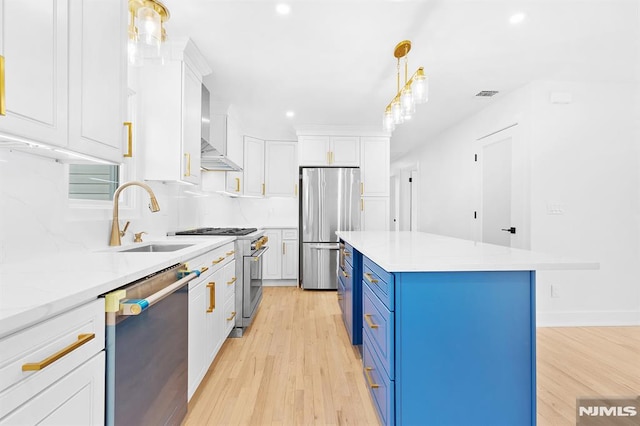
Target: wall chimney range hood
(212,158)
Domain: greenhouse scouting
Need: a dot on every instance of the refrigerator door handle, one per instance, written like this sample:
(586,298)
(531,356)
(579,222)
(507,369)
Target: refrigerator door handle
(335,246)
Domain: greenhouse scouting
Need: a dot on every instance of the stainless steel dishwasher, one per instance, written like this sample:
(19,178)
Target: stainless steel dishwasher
(147,349)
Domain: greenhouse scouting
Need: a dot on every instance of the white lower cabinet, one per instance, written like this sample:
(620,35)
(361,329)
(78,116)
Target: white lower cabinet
(70,389)
(281,260)
(374,213)
(207,320)
(230,282)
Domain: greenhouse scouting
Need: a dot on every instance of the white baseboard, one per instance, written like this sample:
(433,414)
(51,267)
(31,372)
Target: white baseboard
(280,283)
(587,318)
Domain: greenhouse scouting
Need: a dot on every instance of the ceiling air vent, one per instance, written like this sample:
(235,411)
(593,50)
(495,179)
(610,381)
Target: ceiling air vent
(487,93)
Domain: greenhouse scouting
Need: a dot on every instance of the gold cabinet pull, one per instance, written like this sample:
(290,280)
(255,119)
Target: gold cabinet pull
(367,372)
(233,280)
(263,189)
(237,184)
(347,253)
(367,318)
(3,98)
(361,188)
(233,315)
(229,253)
(361,204)
(295,189)
(370,278)
(188,157)
(203,269)
(129,153)
(345,274)
(35,366)
(215,262)
(212,297)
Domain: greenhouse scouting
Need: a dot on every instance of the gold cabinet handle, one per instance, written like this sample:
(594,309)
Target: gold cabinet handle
(203,269)
(3,99)
(233,280)
(361,204)
(229,253)
(212,297)
(345,274)
(367,372)
(295,189)
(347,253)
(361,188)
(370,278)
(233,315)
(263,189)
(215,262)
(188,157)
(129,153)
(35,366)
(237,184)
(367,318)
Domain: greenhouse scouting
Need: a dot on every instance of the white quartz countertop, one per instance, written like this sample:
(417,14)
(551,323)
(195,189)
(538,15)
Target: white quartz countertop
(38,288)
(419,251)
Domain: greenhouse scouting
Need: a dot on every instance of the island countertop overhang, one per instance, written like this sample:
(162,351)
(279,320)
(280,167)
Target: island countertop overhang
(410,251)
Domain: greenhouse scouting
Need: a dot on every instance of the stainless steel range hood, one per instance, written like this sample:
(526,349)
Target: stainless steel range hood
(212,159)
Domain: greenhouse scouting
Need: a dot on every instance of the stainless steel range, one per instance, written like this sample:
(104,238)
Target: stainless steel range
(250,245)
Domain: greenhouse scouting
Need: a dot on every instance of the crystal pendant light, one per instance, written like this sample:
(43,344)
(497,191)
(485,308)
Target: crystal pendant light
(420,87)
(407,105)
(387,120)
(396,111)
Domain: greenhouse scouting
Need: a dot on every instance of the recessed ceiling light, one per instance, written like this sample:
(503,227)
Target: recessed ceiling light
(516,18)
(290,114)
(283,9)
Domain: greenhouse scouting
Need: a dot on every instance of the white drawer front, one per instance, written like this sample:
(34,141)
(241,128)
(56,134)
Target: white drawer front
(289,234)
(40,342)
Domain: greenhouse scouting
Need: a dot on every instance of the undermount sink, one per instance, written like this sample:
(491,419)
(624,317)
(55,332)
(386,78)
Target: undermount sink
(155,248)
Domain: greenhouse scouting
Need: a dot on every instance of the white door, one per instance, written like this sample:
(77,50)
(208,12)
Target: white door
(313,150)
(496,192)
(191,125)
(290,259)
(394,203)
(272,258)
(281,169)
(253,166)
(345,151)
(197,366)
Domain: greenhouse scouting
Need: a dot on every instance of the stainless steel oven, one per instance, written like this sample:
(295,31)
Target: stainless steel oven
(252,283)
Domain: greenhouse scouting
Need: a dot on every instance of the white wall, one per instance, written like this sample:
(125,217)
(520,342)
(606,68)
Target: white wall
(583,156)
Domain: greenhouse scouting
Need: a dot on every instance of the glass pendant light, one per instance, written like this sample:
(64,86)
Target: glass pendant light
(396,111)
(407,105)
(387,121)
(420,87)
(149,26)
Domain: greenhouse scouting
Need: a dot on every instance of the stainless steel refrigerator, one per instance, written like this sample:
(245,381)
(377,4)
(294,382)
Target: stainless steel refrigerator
(329,202)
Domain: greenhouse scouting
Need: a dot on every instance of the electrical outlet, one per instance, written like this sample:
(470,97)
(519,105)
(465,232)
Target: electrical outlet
(555,291)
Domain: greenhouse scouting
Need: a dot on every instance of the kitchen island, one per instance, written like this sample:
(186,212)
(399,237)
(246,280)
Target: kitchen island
(448,327)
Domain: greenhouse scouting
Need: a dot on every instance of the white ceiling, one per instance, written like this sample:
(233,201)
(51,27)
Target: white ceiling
(332,61)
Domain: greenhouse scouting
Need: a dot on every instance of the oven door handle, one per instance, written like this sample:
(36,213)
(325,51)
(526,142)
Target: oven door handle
(326,246)
(137,306)
(258,254)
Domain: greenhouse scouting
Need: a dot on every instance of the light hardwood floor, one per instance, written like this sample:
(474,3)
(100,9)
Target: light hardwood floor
(295,366)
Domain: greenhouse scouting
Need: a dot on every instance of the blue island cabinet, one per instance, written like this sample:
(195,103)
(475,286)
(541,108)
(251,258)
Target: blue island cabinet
(350,291)
(450,348)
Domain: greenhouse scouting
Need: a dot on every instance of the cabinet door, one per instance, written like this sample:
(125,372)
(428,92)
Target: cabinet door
(375,213)
(230,310)
(197,332)
(191,125)
(281,169)
(314,150)
(253,166)
(345,151)
(75,399)
(375,166)
(235,182)
(214,295)
(235,144)
(33,41)
(272,258)
(290,259)
(97,77)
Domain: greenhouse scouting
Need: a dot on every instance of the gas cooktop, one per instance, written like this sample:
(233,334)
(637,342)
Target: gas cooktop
(218,231)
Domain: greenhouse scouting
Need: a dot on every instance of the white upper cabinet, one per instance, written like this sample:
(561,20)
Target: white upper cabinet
(170,117)
(254,166)
(374,168)
(281,169)
(329,151)
(97,77)
(33,41)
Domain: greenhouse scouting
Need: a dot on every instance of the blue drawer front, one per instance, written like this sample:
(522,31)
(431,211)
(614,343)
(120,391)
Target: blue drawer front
(340,295)
(382,391)
(348,254)
(381,282)
(378,325)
